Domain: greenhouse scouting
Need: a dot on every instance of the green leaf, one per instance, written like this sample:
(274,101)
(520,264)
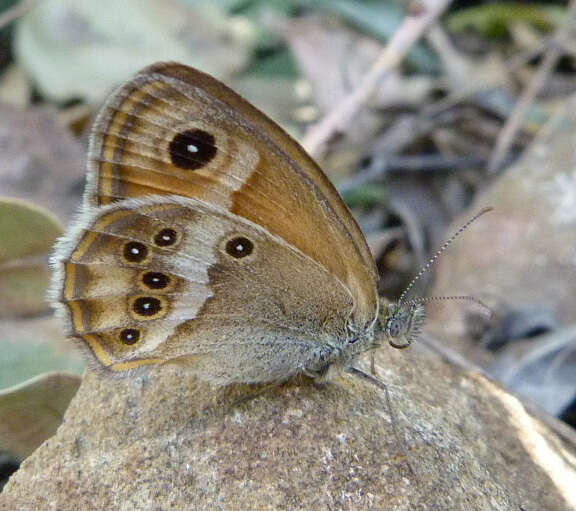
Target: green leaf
(278,64)
(25,230)
(493,19)
(82,49)
(31,412)
(366,195)
(23,289)
(34,346)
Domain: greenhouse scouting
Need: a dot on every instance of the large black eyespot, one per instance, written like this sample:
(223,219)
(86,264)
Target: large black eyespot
(166,237)
(147,306)
(239,247)
(130,336)
(155,280)
(135,252)
(192,149)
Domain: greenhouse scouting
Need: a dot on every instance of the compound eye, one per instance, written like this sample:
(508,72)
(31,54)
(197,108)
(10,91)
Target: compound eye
(394,327)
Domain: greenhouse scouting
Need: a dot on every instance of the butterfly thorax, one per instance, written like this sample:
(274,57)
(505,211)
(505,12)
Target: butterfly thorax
(335,356)
(398,323)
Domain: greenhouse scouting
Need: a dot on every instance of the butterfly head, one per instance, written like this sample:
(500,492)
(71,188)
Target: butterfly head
(401,323)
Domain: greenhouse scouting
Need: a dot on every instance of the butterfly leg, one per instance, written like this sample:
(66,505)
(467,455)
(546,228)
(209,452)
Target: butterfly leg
(373,370)
(381,385)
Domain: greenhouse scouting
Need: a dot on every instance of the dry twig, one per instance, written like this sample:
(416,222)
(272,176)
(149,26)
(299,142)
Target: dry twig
(408,33)
(514,122)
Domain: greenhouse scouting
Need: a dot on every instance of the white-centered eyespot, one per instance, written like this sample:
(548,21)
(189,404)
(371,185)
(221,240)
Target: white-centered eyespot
(239,247)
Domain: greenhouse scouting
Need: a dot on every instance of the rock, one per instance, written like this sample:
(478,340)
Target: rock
(161,440)
(520,257)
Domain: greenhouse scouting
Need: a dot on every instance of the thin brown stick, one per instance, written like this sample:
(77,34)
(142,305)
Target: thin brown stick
(408,33)
(514,122)
(16,11)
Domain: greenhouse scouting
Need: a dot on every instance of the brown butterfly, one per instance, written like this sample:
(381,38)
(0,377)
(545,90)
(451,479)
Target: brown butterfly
(211,239)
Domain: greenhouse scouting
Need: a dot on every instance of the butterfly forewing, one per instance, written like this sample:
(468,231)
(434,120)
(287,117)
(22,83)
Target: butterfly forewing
(175,130)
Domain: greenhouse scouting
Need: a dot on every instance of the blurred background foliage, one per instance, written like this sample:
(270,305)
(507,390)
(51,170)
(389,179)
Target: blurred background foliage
(445,131)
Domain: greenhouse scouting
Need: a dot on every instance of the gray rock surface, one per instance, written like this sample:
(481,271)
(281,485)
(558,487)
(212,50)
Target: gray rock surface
(160,440)
(521,256)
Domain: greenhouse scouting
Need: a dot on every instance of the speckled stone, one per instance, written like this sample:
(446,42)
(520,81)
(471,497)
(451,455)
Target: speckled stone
(161,440)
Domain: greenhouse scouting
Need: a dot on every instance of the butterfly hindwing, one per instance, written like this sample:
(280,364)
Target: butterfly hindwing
(158,279)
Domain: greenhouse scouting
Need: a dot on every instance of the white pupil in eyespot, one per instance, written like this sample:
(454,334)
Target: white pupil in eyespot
(166,237)
(240,248)
(134,251)
(192,148)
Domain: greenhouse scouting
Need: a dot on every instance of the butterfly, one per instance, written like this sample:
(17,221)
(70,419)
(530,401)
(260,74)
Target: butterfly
(210,239)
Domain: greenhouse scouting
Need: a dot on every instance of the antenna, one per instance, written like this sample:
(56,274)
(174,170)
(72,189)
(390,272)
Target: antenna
(433,259)
(444,298)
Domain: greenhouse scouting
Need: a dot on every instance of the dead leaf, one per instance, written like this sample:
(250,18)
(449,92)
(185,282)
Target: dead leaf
(40,160)
(334,59)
